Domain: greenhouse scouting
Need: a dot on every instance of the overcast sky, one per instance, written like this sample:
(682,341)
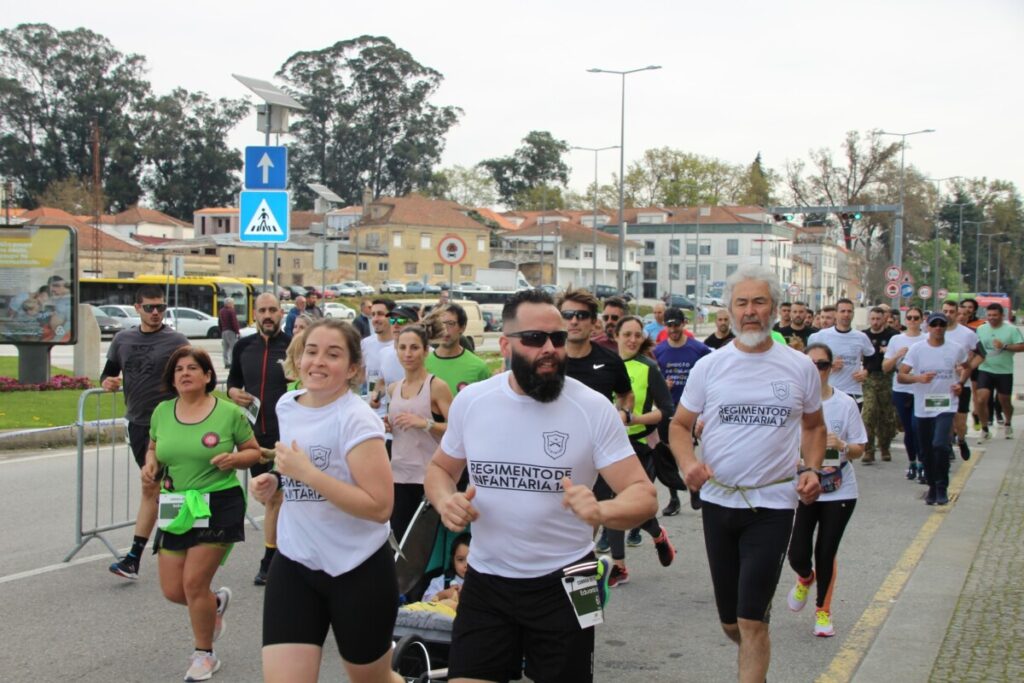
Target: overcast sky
(778,77)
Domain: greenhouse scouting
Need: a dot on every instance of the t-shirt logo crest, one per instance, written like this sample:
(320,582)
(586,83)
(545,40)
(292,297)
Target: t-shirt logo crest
(781,390)
(211,439)
(555,443)
(321,456)
(836,427)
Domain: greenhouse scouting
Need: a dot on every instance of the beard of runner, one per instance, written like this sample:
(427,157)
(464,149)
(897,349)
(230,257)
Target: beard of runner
(544,388)
(751,339)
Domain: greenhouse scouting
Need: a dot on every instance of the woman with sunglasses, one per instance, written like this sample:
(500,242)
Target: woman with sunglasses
(652,406)
(903,394)
(829,514)
(417,413)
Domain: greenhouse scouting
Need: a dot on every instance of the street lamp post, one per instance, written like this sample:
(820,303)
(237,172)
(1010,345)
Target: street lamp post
(622,164)
(988,267)
(960,253)
(977,252)
(897,241)
(999,265)
(938,192)
(596,151)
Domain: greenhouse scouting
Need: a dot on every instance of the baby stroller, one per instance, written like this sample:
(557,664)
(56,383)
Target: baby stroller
(422,637)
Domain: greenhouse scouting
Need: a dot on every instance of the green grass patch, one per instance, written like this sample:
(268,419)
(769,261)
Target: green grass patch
(495,363)
(35,409)
(9,368)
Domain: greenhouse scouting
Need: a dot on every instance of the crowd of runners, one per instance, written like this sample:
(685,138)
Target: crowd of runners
(345,430)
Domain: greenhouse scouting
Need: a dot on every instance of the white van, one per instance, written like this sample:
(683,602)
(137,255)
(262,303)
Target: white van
(474,318)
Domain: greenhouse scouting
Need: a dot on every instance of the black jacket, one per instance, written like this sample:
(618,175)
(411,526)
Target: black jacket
(256,367)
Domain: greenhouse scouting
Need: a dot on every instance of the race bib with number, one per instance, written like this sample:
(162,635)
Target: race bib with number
(170,504)
(585,596)
(937,401)
(252,411)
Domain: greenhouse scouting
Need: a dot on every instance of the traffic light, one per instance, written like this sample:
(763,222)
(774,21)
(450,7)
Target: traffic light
(779,217)
(852,216)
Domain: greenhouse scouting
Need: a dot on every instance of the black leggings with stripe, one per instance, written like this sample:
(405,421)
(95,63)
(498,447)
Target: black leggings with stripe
(830,518)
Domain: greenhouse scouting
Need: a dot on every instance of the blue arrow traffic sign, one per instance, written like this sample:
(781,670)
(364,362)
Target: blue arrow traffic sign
(263,216)
(906,290)
(266,168)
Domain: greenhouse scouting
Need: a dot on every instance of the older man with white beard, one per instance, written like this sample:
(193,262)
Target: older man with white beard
(760,403)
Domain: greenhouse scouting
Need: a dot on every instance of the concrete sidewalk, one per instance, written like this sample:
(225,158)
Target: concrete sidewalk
(959,614)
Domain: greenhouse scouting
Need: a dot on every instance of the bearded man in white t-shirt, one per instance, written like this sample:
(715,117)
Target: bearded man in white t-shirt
(760,403)
(534,442)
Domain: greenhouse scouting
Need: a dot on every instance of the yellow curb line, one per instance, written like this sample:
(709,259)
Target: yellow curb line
(863,634)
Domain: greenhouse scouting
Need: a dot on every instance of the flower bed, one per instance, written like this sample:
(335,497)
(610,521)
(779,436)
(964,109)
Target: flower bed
(56,383)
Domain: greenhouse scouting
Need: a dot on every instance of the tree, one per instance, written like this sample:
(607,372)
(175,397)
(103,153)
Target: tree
(672,177)
(189,164)
(471,187)
(369,120)
(73,195)
(757,185)
(58,87)
(537,162)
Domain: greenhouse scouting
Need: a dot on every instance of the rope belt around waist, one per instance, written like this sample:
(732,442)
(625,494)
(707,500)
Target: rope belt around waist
(742,490)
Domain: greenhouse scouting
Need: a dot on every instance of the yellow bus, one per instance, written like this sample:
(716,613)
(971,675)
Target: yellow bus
(201,293)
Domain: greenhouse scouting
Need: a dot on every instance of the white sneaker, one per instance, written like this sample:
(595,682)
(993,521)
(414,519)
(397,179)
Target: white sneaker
(1007,432)
(797,597)
(823,624)
(223,598)
(203,666)
(985,436)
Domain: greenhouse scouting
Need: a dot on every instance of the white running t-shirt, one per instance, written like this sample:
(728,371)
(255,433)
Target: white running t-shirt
(935,397)
(842,418)
(964,336)
(902,341)
(517,451)
(310,529)
(752,405)
(852,346)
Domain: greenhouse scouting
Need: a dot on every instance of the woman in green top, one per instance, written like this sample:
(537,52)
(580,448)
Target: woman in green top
(197,441)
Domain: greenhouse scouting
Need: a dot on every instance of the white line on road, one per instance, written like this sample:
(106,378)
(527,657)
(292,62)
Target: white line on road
(33,458)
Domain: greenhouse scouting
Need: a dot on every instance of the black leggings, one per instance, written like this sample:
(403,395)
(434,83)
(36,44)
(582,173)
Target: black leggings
(617,539)
(407,498)
(830,517)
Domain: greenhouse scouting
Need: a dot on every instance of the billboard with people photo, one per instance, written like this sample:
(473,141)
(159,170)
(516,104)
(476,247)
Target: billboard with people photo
(37,285)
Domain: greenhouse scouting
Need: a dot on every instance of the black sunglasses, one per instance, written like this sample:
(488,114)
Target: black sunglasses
(937,323)
(579,315)
(913,317)
(611,317)
(536,338)
(149,308)
(823,364)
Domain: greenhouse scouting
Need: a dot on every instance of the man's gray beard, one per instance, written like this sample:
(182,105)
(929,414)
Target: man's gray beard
(751,339)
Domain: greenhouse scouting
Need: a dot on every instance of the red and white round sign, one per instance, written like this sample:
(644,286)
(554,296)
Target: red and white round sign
(451,249)
(892,273)
(892,290)
(794,290)
(924,291)
(943,294)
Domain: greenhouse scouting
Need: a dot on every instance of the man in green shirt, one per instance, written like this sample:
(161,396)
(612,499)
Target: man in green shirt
(1000,342)
(451,362)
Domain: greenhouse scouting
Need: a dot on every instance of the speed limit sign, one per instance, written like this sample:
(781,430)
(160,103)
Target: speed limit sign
(451,249)
(794,290)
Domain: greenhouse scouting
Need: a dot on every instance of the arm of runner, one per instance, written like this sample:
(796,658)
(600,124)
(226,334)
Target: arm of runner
(635,499)
(440,401)
(456,508)
(889,363)
(151,467)
(813,436)
(247,455)
(240,396)
(680,442)
(371,496)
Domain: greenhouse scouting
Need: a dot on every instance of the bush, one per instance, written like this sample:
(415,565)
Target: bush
(56,383)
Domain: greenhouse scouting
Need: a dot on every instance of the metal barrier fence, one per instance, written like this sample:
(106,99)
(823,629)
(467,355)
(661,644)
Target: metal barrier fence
(107,484)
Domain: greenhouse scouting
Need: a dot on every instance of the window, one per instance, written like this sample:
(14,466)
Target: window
(650,270)
(705,271)
(424,240)
(396,239)
(373,240)
(382,267)
(231,259)
(202,225)
(466,270)
(481,243)
(730,269)
(438,269)
(588,253)
(673,247)
(705,248)
(124,274)
(732,247)
(210,251)
(673,271)
(410,267)
(649,247)
(363,266)
(296,263)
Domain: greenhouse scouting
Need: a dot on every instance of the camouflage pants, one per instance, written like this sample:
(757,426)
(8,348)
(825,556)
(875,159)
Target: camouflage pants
(878,413)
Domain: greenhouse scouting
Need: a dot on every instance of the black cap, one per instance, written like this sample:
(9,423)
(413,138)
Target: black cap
(404,312)
(674,315)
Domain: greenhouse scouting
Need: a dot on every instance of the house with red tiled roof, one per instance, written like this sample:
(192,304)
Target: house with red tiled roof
(139,220)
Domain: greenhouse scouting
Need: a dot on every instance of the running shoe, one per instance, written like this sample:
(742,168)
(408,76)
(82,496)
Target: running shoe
(618,577)
(797,597)
(868,459)
(921,478)
(823,624)
(931,496)
(886,456)
(977,422)
(127,567)
(223,598)
(941,496)
(985,434)
(695,501)
(1007,432)
(203,666)
(634,539)
(666,551)
(672,509)
(965,451)
(912,472)
(603,546)
(261,576)
(604,573)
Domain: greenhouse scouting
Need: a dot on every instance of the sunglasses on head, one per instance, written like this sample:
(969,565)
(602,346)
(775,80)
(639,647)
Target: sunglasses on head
(536,338)
(823,364)
(398,321)
(149,308)
(673,323)
(578,315)
(610,317)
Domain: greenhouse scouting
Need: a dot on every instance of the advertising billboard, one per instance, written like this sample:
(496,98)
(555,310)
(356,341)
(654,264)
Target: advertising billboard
(38,293)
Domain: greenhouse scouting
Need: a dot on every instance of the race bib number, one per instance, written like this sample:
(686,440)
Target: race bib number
(170,504)
(937,401)
(252,410)
(584,594)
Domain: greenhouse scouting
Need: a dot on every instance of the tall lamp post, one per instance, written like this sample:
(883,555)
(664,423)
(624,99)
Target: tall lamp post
(988,267)
(622,164)
(596,151)
(999,264)
(977,251)
(897,241)
(938,192)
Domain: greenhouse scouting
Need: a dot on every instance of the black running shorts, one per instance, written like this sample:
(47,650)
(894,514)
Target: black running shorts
(746,549)
(964,402)
(360,606)
(138,441)
(227,524)
(500,621)
(1000,384)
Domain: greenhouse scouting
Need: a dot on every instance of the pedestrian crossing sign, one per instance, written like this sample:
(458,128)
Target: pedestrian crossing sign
(263,216)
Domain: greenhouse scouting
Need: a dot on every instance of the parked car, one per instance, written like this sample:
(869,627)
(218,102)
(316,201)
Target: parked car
(109,326)
(362,289)
(392,287)
(340,289)
(192,323)
(680,301)
(471,286)
(294,291)
(474,322)
(605,291)
(415,287)
(338,310)
(126,315)
(436,289)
